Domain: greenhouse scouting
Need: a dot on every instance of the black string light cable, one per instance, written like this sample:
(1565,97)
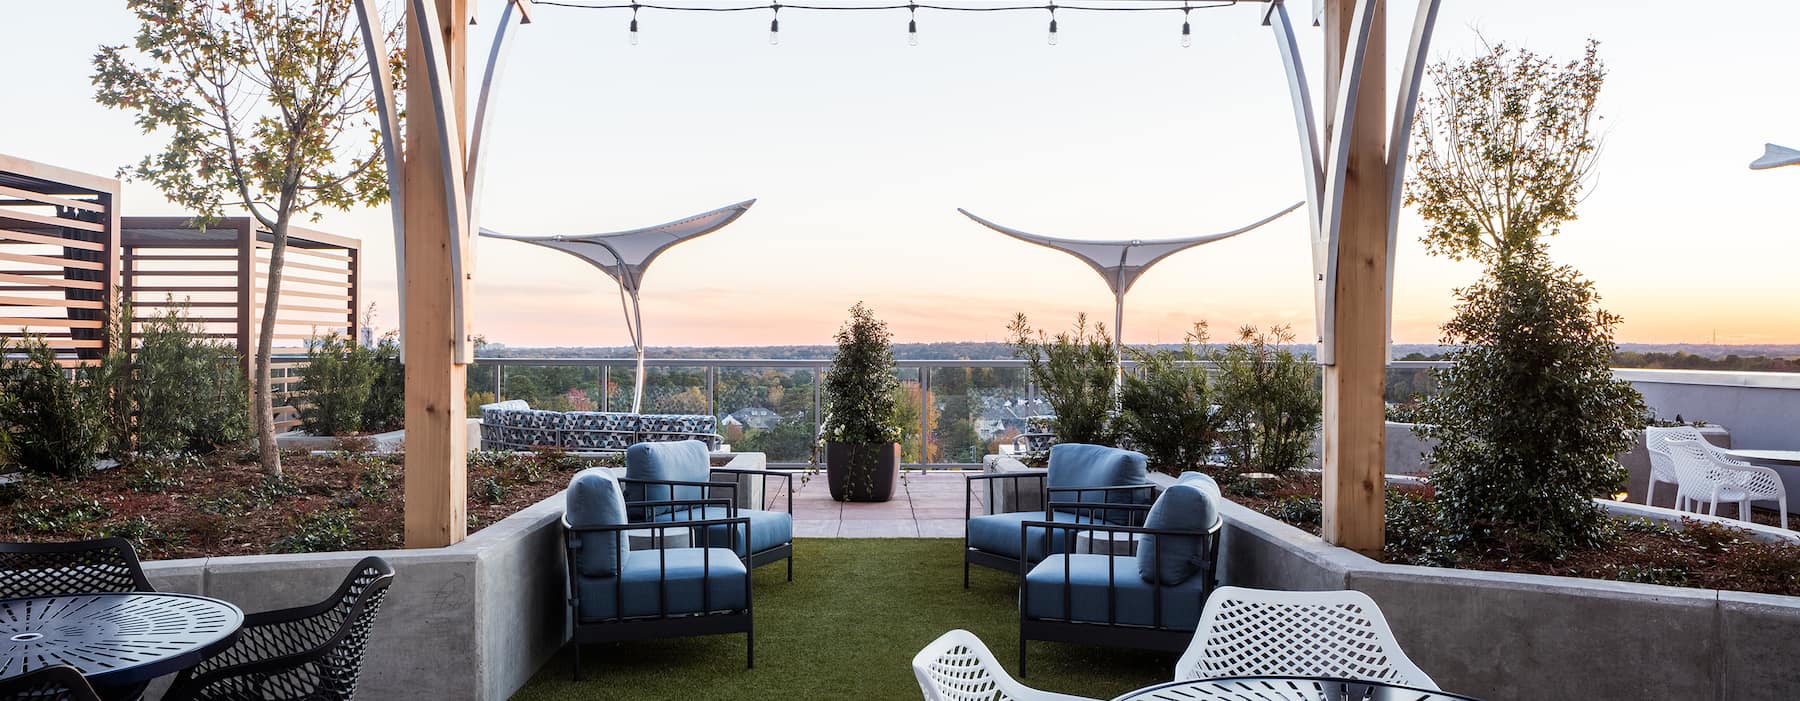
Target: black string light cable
(1186,8)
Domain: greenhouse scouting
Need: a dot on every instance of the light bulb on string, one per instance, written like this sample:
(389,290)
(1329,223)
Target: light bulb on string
(1053,24)
(912,25)
(775,25)
(1187,27)
(634,24)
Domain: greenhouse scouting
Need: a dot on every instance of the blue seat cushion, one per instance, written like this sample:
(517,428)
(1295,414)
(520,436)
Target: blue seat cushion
(1075,465)
(999,533)
(768,529)
(680,461)
(1172,559)
(693,574)
(594,499)
(1132,601)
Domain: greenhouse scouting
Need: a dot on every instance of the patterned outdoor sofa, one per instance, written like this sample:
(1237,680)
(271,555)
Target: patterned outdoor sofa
(514,425)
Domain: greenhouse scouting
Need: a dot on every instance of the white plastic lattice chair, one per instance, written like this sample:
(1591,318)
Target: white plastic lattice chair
(958,667)
(1257,632)
(1703,477)
(1662,467)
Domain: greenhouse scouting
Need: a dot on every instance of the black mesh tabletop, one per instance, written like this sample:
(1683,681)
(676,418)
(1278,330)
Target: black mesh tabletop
(1284,689)
(114,639)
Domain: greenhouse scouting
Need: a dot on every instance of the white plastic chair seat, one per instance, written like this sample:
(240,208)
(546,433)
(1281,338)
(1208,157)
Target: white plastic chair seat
(959,667)
(1337,634)
(1706,477)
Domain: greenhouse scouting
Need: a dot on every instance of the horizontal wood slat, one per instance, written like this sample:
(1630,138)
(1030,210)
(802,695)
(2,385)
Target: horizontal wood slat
(17,215)
(8,301)
(45,322)
(42,198)
(341,270)
(26,237)
(308,295)
(52,260)
(41,282)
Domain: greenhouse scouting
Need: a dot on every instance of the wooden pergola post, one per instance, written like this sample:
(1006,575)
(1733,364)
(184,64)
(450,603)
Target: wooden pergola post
(436,438)
(1354,439)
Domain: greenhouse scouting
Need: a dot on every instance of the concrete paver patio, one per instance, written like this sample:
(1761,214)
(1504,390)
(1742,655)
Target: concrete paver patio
(925,505)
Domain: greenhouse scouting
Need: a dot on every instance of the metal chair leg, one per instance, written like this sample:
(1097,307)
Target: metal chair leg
(577,661)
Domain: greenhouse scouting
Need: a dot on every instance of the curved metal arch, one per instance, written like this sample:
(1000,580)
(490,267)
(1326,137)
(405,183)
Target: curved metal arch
(388,118)
(1400,140)
(498,51)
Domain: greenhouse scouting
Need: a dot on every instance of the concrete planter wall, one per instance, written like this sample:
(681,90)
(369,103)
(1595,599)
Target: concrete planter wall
(1506,636)
(471,622)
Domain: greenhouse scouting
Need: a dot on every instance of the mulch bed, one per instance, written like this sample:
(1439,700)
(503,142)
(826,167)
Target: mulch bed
(1697,554)
(223,504)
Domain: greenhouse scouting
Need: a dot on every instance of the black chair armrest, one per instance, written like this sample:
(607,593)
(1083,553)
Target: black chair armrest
(786,476)
(641,511)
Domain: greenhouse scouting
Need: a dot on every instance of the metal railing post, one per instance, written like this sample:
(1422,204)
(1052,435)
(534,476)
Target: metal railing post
(712,374)
(499,383)
(605,387)
(924,415)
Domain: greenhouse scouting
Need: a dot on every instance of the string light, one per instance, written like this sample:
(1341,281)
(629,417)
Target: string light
(1187,29)
(775,24)
(912,25)
(1052,24)
(634,26)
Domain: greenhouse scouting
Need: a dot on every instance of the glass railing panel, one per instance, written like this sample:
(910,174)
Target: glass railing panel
(771,410)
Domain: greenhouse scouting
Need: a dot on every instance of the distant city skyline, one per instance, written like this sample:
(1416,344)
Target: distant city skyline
(859,149)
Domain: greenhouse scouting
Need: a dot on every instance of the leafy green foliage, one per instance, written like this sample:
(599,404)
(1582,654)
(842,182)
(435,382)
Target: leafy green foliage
(1075,372)
(56,416)
(1503,150)
(1164,409)
(1530,419)
(1269,401)
(189,392)
(861,387)
(338,376)
(325,530)
(386,408)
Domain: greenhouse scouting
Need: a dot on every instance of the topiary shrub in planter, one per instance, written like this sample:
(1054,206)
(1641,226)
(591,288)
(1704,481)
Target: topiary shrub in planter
(1164,409)
(56,416)
(862,457)
(1076,372)
(1269,401)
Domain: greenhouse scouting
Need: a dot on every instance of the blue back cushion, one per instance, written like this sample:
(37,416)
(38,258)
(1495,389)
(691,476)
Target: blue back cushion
(682,461)
(594,499)
(1202,480)
(1171,560)
(1083,465)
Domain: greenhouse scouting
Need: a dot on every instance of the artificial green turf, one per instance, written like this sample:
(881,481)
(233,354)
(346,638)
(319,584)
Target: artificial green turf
(847,628)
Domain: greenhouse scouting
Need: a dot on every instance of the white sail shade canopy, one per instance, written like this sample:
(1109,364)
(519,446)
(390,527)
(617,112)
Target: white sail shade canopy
(625,256)
(1776,157)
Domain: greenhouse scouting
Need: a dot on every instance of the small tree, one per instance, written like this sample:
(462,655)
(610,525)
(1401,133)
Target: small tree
(1075,372)
(337,379)
(1529,421)
(268,108)
(1164,408)
(860,388)
(1269,401)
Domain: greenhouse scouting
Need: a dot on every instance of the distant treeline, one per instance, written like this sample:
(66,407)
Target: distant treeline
(1689,361)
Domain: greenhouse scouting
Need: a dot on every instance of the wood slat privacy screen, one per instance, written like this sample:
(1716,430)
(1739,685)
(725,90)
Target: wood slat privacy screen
(59,231)
(219,274)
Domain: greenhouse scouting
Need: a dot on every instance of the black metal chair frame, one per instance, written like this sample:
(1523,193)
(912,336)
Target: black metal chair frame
(55,683)
(190,684)
(1158,635)
(1004,563)
(662,624)
(10,575)
(785,551)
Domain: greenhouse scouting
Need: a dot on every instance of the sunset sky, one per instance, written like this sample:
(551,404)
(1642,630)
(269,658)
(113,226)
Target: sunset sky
(860,148)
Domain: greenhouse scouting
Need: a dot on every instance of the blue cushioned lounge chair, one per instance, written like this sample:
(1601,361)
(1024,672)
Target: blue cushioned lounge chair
(682,471)
(1151,599)
(616,593)
(1084,484)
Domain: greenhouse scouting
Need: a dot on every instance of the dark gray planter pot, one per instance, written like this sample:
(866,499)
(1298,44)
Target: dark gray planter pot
(878,466)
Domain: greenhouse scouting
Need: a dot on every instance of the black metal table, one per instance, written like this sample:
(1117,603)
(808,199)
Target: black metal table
(118,641)
(1285,689)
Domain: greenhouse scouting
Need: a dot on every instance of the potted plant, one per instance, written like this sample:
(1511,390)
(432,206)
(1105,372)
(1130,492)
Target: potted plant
(862,455)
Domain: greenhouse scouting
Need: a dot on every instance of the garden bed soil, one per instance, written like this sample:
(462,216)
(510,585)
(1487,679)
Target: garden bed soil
(1697,554)
(223,504)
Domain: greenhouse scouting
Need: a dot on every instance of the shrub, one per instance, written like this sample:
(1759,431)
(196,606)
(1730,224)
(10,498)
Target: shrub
(860,388)
(56,416)
(386,408)
(189,392)
(1076,372)
(1163,409)
(337,378)
(1530,419)
(1269,401)
(325,530)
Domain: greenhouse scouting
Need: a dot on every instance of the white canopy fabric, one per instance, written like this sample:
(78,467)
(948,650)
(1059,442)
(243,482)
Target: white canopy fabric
(1776,157)
(625,256)
(1121,263)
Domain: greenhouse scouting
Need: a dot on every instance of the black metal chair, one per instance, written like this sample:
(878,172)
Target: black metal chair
(58,683)
(309,652)
(107,565)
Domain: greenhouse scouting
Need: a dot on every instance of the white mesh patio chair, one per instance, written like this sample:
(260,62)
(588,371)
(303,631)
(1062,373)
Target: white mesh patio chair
(958,667)
(1257,632)
(1662,467)
(1703,477)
